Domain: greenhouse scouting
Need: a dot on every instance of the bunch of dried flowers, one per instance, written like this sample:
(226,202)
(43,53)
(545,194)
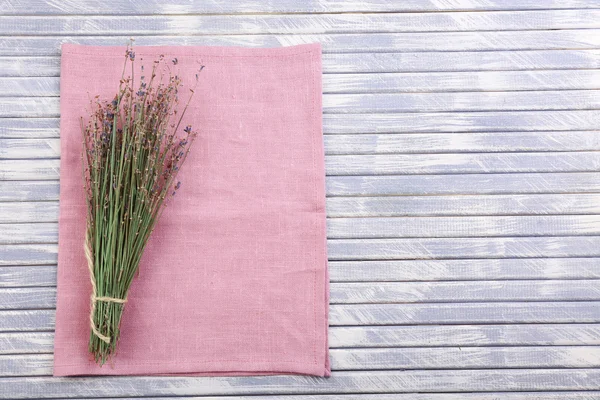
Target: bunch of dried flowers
(133,149)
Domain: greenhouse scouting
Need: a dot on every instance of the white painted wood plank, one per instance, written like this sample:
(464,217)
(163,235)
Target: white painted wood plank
(27,160)
(392,336)
(384,102)
(155,7)
(344,83)
(40,254)
(475,142)
(461,122)
(407,292)
(28,170)
(341,382)
(461,163)
(466,122)
(414,185)
(573,39)
(29,107)
(554,312)
(396,227)
(382,62)
(29,148)
(448,248)
(395,358)
(37,66)
(388,249)
(26,342)
(460,101)
(29,233)
(29,127)
(407,206)
(583,182)
(28,191)
(27,298)
(446,61)
(466,269)
(27,320)
(39,275)
(463,313)
(299,23)
(449,335)
(390,271)
(427,82)
(386,292)
(401,227)
(11,212)
(537,395)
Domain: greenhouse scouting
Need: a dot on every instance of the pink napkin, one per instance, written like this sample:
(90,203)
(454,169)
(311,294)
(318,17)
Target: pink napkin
(234,280)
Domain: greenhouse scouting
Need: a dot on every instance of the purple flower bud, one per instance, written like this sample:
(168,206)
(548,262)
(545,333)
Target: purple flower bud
(188,129)
(178,185)
(174,61)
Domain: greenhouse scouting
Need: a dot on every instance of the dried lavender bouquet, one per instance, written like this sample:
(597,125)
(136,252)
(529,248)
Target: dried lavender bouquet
(132,152)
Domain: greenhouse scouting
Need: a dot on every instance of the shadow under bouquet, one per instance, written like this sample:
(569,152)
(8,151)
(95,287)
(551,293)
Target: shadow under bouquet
(133,148)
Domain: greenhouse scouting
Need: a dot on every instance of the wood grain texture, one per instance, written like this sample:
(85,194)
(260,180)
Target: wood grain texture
(388,249)
(28,212)
(407,206)
(386,293)
(384,102)
(584,182)
(536,395)
(418,227)
(474,142)
(448,248)
(392,336)
(461,122)
(507,313)
(155,7)
(413,185)
(441,122)
(386,227)
(463,191)
(407,82)
(32,160)
(574,39)
(49,66)
(507,269)
(395,358)
(28,276)
(465,269)
(423,381)
(300,23)
(408,143)
(396,206)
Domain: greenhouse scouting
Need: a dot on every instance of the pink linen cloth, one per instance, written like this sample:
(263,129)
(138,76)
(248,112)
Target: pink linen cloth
(234,279)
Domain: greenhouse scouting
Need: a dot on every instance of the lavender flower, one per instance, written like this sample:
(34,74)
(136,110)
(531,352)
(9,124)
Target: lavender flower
(130,171)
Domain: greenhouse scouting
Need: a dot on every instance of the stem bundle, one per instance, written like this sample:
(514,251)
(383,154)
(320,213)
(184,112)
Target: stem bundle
(132,153)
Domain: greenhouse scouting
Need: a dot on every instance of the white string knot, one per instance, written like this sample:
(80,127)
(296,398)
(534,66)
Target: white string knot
(94,298)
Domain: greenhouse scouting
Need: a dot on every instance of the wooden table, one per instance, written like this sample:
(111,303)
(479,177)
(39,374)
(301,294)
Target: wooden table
(463,164)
